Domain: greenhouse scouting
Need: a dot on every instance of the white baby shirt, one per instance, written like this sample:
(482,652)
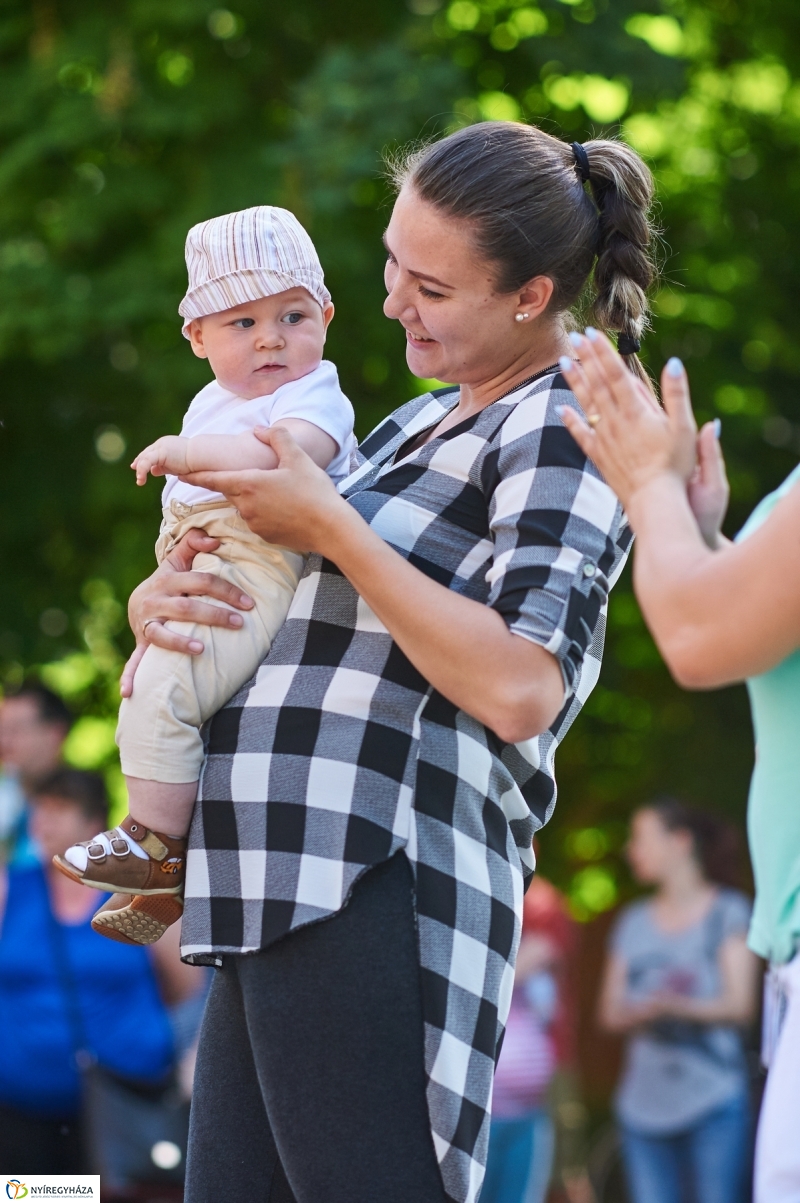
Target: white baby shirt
(315,398)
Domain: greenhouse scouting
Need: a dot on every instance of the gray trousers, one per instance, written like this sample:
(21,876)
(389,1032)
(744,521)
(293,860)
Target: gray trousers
(310,1083)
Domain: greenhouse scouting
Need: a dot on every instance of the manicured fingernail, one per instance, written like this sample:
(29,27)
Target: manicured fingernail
(566,364)
(592,334)
(674,366)
(235,620)
(195,645)
(575,338)
(244,600)
(717,427)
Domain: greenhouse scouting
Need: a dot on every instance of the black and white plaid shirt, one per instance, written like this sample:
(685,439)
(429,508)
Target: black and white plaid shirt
(338,752)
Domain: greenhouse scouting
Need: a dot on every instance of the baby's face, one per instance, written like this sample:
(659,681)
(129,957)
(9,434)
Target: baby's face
(255,348)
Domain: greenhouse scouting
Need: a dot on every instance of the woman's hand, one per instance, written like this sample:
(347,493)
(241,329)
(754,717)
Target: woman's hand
(171,593)
(628,436)
(294,505)
(708,490)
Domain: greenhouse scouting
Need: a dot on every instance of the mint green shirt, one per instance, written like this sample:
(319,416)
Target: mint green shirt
(773,819)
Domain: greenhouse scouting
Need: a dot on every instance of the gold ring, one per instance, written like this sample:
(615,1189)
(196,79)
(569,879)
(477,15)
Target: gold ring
(147,624)
(594,419)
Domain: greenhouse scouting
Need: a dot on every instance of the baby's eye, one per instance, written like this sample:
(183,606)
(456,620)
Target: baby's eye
(244,323)
(292,319)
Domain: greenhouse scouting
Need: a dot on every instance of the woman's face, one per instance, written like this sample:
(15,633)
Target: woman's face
(458,328)
(653,849)
(56,823)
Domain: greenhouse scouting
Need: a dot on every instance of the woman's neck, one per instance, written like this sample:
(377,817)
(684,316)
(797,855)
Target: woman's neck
(531,359)
(475,397)
(684,895)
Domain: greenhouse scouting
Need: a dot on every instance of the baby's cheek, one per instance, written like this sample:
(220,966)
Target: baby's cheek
(305,352)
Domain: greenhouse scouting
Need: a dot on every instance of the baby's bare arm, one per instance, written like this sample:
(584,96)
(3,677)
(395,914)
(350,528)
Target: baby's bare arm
(228,452)
(168,454)
(318,445)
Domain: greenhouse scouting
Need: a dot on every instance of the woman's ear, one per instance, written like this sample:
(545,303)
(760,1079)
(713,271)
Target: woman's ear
(534,298)
(196,338)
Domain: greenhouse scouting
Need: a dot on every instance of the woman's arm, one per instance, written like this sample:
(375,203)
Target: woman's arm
(614,1012)
(737,1001)
(180,455)
(462,647)
(735,1004)
(717,616)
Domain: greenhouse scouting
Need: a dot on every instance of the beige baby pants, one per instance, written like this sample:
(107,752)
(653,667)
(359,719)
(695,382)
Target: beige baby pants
(174,693)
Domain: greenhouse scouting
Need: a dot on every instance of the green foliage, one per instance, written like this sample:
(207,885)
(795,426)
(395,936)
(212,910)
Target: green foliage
(121,125)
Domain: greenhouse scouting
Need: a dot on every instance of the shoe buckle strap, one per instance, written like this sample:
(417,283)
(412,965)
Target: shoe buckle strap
(153,846)
(95,852)
(145,838)
(119,847)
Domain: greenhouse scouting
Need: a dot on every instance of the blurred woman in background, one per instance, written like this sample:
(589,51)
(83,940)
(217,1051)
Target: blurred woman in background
(680,982)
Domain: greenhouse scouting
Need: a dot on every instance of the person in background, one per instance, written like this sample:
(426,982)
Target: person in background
(680,982)
(538,1039)
(122,993)
(34,722)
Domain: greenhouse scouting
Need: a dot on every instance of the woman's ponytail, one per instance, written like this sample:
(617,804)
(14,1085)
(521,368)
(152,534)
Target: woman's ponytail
(622,187)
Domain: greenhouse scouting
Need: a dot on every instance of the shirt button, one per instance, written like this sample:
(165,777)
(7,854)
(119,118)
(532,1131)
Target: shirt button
(588,570)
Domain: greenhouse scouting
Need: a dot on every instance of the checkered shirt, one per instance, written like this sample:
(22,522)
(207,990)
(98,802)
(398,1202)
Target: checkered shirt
(338,753)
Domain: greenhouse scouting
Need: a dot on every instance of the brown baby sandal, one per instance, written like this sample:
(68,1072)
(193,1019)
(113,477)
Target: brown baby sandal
(142,919)
(131,859)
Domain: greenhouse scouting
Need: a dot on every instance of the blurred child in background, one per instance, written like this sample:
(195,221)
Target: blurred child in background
(539,1039)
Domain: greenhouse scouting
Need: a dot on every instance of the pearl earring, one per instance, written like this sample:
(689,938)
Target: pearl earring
(520,317)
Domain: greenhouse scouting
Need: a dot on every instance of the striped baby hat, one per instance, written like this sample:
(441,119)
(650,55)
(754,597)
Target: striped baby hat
(246,256)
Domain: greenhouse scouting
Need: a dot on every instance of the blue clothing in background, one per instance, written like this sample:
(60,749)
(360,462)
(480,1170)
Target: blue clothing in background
(709,1162)
(16,845)
(520,1159)
(125,1024)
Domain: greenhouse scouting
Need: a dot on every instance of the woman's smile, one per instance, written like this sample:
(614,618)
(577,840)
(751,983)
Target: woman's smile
(418,340)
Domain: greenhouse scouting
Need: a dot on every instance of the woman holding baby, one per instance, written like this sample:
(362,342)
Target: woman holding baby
(362,839)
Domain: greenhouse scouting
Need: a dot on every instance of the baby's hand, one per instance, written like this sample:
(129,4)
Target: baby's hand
(167,454)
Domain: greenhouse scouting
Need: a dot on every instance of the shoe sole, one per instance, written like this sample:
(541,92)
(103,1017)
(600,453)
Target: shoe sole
(143,921)
(109,886)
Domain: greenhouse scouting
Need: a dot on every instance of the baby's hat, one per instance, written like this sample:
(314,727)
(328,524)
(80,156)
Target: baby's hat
(246,256)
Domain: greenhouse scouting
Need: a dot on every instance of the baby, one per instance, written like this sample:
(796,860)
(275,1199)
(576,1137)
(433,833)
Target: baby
(257,308)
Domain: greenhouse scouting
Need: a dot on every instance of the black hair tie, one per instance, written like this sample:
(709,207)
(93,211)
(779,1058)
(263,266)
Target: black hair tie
(628,345)
(581,163)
